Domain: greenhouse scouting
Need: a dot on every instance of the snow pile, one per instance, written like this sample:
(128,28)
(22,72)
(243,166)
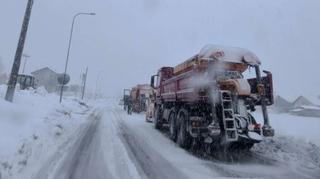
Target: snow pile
(296,143)
(301,156)
(32,127)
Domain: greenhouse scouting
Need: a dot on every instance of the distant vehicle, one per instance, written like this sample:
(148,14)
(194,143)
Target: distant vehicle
(205,100)
(126,95)
(150,107)
(121,102)
(26,81)
(140,95)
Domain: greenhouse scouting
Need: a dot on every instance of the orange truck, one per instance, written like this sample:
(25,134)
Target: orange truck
(140,96)
(206,99)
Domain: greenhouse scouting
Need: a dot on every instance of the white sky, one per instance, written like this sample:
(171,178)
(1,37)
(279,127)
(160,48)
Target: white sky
(129,40)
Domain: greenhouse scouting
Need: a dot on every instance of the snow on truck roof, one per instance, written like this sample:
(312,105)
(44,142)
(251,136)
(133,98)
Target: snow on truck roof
(229,54)
(220,53)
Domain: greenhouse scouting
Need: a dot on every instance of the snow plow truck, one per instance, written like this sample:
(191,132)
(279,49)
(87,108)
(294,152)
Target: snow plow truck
(139,96)
(206,99)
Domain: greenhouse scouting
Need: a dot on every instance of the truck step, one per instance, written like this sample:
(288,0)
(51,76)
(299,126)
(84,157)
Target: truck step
(231,135)
(229,123)
(225,95)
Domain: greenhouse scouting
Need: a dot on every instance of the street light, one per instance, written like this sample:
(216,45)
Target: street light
(70,38)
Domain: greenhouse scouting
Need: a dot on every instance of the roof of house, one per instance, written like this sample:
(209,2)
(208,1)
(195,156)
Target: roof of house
(302,101)
(43,70)
(282,103)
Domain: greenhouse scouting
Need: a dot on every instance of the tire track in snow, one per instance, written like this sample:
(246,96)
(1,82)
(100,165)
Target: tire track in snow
(84,159)
(149,162)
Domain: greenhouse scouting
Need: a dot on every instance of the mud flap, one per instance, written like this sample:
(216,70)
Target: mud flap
(251,137)
(267,131)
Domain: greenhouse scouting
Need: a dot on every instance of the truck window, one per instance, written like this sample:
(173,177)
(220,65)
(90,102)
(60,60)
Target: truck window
(28,81)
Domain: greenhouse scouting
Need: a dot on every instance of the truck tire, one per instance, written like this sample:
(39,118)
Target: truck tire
(173,125)
(183,137)
(157,119)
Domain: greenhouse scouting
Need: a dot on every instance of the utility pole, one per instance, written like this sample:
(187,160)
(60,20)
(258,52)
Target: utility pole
(25,61)
(84,83)
(97,81)
(17,59)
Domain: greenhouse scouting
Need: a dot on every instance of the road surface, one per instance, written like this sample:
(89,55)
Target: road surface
(114,145)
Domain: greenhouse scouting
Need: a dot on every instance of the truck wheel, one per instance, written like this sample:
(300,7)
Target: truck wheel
(173,126)
(240,146)
(183,138)
(157,119)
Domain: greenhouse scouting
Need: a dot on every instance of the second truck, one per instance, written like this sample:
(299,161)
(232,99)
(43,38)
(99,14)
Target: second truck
(139,96)
(206,99)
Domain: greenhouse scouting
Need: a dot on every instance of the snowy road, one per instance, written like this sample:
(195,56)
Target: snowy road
(114,145)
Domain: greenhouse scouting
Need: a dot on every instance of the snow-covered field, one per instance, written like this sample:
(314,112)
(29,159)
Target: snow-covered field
(304,128)
(41,138)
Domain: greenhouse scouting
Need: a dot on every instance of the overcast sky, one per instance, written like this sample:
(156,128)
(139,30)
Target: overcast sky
(129,40)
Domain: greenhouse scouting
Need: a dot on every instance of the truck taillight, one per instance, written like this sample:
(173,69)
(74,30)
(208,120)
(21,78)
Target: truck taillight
(252,127)
(257,126)
(202,92)
(195,124)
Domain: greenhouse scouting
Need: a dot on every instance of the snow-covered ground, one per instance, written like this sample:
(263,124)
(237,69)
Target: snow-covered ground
(32,128)
(41,138)
(299,127)
(125,146)
(295,144)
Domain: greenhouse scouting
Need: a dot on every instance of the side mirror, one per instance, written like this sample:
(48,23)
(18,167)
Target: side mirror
(152,81)
(266,72)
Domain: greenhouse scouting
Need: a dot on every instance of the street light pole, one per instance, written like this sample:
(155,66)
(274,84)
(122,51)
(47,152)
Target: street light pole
(17,59)
(84,84)
(98,77)
(70,40)
(25,61)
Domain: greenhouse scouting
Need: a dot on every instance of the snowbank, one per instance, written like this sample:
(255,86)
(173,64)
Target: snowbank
(299,155)
(32,127)
(296,143)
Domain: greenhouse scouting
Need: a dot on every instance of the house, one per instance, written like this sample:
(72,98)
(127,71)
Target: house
(303,107)
(3,78)
(47,78)
(302,101)
(282,105)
